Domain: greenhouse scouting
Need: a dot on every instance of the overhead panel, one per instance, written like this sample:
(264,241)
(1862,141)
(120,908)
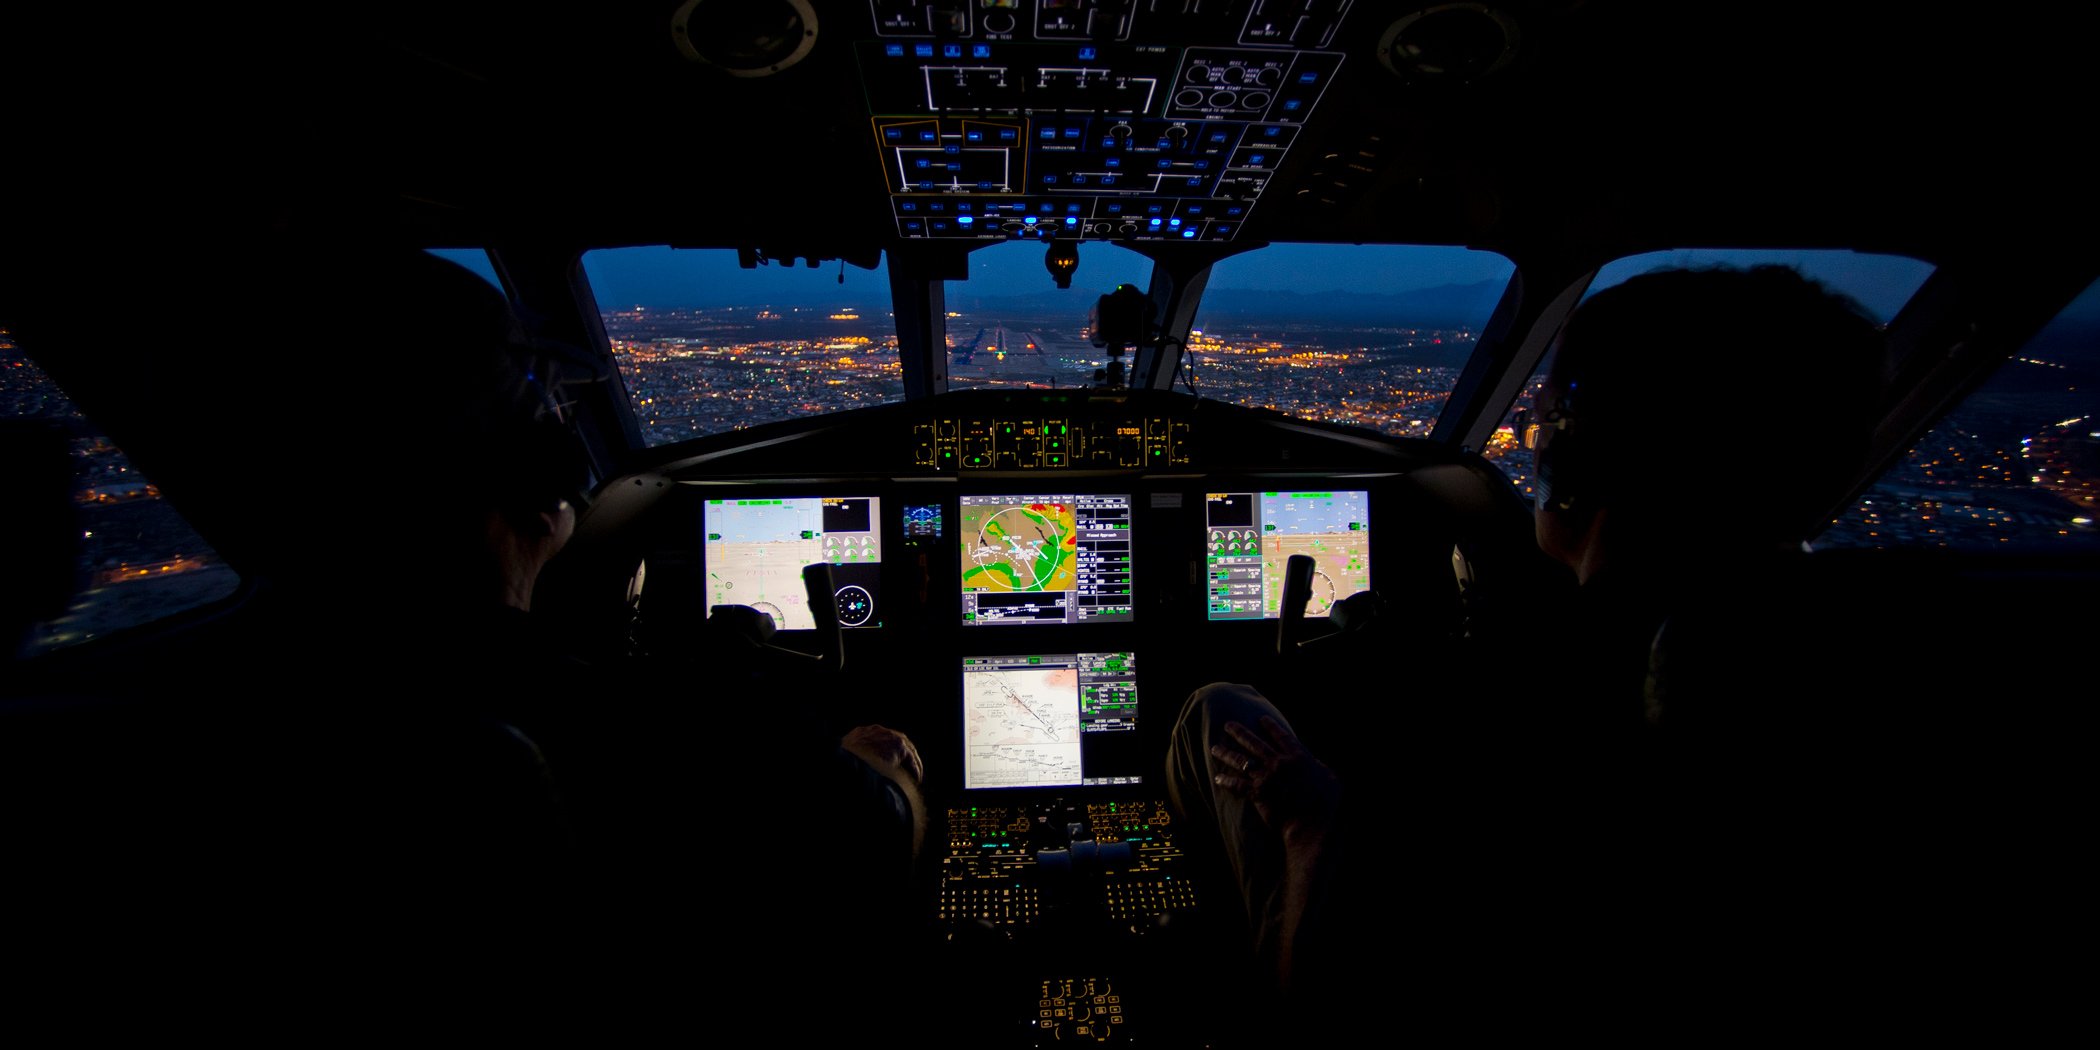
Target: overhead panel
(1036,119)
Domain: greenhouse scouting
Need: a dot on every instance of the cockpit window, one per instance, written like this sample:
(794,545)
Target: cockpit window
(1881,284)
(135,559)
(475,259)
(2014,467)
(1010,325)
(1369,335)
(705,346)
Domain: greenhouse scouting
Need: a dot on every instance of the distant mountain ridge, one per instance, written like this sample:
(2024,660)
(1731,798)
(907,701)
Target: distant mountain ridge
(1443,306)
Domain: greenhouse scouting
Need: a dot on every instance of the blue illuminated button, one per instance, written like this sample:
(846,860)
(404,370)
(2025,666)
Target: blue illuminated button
(907,205)
(1071,222)
(1115,209)
(1218,136)
(921,162)
(1006,134)
(951,149)
(954,166)
(893,134)
(1202,165)
(1156,222)
(980,51)
(1078,180)
(893,50)
(974,135)
(937,206)
(1164,164)
(1194,209)
(1073,208)
(1173,222)
(1047,208)
(929,136)
(1154,209)
(1086,54)
(964,206)
(1049,180)
(922,50)
(1257,158)
(915,225)
(1193,183)
(951,50)
(1048,133)
(1222,230)
(925,185)
(1271,133)
(1029,220)
(966,219)
(1113,162)
(1308,78)
(1072,133)
(1291,105)
(1235,210)
(1190,232)
(1108,180)
(1108,142)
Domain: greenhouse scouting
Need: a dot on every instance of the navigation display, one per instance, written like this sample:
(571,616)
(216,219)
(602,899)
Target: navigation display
(1250,537)
(1056,720)
(1045,559)
(756,549)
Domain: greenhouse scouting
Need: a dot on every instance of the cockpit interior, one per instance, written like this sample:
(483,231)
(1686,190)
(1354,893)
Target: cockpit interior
(995,371)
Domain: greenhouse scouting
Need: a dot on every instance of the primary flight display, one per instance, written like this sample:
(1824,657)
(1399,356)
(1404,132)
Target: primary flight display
(756,548)
(1250,537)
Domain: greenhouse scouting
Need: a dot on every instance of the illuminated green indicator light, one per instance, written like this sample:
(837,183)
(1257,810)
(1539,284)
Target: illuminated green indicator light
(1268,494)
(1035,659)
(808,535)
(714,503)
(714,535)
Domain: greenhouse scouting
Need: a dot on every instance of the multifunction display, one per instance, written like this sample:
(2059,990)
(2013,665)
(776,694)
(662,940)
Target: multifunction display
(1045,559)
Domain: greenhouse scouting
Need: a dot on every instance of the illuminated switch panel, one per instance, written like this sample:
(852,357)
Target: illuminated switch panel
(1047,442)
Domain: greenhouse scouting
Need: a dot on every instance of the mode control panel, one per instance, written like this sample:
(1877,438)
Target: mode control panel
(1050,442)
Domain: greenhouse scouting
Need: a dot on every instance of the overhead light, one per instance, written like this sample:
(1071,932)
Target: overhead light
(745,38)
(1061,260)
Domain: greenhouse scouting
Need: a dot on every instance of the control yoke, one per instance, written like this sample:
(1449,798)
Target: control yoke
(751,629)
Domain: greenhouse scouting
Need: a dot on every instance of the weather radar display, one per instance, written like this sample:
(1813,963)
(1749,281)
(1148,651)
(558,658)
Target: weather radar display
(1045,559)
(756,549)
(1250,536)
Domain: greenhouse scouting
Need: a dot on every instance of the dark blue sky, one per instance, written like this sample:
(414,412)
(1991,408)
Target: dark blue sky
(665,277)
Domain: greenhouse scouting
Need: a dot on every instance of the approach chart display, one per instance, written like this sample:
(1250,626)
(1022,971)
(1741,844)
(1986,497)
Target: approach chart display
(1045,558)
(1250,537)
(755,550)
(1049,720)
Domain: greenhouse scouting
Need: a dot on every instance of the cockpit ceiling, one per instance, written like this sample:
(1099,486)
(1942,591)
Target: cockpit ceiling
(1546,121)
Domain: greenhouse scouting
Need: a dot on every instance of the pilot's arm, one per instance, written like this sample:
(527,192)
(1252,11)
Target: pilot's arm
(890,756)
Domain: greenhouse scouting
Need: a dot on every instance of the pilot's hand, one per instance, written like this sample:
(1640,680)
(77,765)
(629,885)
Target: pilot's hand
(881,745)
(1293,792)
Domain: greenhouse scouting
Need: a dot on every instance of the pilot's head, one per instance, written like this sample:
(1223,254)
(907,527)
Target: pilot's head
(1701,413)
(443,427)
